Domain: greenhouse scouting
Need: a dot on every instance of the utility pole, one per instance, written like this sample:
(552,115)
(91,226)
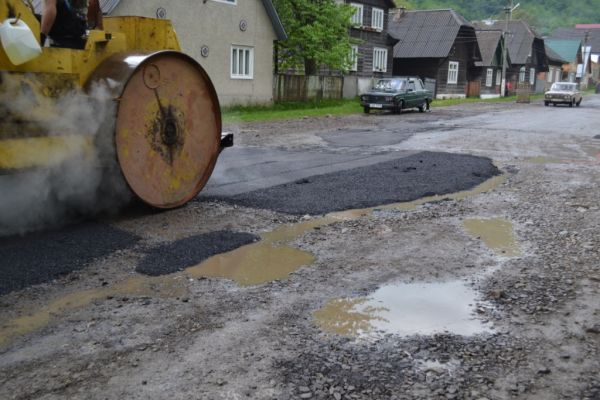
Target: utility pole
(508,10)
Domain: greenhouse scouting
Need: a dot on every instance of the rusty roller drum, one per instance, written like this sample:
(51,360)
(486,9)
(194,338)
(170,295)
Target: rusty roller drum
(168,124)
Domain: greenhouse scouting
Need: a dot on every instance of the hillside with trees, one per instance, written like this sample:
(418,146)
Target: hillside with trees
(543,15)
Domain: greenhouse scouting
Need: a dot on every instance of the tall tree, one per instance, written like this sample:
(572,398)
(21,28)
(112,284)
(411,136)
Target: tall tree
(318,34)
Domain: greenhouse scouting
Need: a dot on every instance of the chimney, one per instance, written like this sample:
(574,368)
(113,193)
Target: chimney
(397,13)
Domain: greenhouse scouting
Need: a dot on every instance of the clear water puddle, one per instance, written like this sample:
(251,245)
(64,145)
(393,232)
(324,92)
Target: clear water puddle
(270,259)
(496,233)
(405,310)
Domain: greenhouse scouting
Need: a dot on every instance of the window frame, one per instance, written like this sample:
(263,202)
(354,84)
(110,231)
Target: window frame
(381,12)
(358,16)
(249,75)
(532,76)
(498,77)
(384,58)
(522,72)
(550,73)
(453,72)
(489,77)
(354,58)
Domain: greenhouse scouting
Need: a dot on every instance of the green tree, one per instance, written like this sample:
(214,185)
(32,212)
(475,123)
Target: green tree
(318,34)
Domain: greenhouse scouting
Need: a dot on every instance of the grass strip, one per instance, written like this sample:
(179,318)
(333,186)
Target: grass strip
(322,108)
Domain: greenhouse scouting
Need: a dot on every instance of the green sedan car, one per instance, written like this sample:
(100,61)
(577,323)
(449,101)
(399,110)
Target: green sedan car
(397,94)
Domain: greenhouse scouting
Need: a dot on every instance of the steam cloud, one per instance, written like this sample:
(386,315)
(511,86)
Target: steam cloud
(87,182)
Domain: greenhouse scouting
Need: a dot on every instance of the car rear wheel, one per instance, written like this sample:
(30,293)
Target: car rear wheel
(546,103)
(422,107)
(578,103)
(571,103)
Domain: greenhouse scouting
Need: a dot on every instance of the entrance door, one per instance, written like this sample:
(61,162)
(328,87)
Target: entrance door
(474,89)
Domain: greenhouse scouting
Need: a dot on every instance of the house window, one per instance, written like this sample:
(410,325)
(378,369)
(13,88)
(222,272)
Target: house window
(453,72)
(549,77)
(532,76)
(499,77)
(354,58)
(357,18)
(489,79)
(379,59)
(242,62)
(522,74)
(377,19)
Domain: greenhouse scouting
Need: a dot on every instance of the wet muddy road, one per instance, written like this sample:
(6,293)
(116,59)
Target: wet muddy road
(363,257)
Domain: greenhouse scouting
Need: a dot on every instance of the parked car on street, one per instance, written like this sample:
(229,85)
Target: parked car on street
(563,93)
(397,94)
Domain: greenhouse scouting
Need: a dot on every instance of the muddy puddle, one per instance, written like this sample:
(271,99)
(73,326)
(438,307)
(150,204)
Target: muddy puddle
(272,258)
(138,286)
(545,160)
(405,310)
(496,233)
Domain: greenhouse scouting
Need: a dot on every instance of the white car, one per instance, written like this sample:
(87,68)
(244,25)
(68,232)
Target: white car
(563,93)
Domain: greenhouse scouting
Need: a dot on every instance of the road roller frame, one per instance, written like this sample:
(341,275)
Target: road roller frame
(168,123)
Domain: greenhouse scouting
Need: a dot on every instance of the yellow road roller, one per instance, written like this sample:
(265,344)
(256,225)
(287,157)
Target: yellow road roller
(165,118)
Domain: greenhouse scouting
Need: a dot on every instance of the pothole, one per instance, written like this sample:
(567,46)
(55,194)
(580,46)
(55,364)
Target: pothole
(405,309)
(496,233)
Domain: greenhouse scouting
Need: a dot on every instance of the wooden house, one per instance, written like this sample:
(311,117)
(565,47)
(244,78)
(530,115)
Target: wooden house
(570,50)
(373,46)
(489,69)
(527,54)
(555,68)
(589,34)
(435,44)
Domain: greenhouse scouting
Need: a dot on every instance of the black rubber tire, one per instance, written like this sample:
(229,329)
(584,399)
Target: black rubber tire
(399,107)
(571,103)
(579,103)
(546,103)
(366,110)
(422,107)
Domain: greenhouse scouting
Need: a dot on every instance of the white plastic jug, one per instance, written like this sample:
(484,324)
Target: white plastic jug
(18,41)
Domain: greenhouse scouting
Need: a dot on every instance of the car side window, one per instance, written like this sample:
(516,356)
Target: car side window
(411,86)
(419,85)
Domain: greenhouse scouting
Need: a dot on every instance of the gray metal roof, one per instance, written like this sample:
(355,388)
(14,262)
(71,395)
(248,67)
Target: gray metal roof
(108,6)
(519,40)
(488,42)
(429,33)
(275,21)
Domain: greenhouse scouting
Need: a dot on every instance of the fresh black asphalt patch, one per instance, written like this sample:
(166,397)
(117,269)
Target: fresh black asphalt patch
(404,179)
(42,257)
(188,252)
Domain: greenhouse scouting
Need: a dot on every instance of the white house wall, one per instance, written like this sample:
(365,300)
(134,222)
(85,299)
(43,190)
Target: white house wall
(216,24)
